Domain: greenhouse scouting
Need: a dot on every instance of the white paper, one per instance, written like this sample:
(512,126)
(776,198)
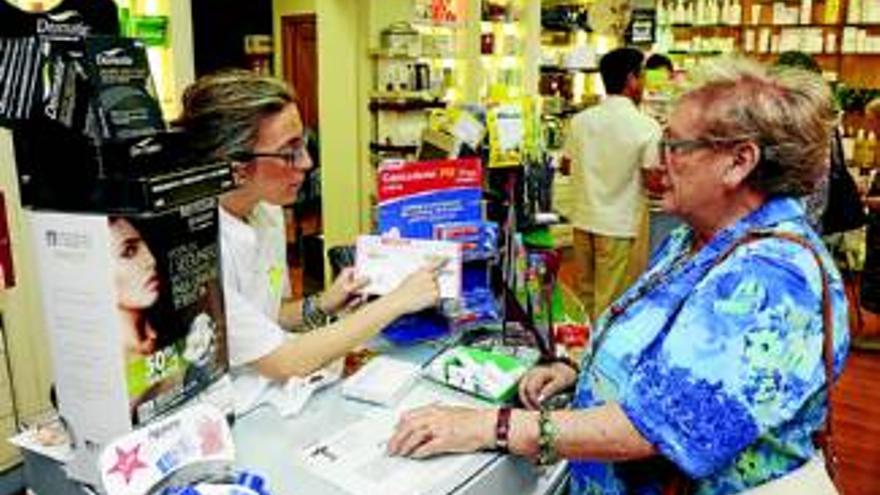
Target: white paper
(468,130)
(510,128)
(388,261)
(354,459)
(382,380)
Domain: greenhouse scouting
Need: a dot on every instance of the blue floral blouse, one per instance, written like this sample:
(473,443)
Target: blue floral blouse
(720,369)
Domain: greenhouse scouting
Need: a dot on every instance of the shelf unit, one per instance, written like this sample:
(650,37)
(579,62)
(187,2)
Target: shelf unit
(408,84)
(847,51)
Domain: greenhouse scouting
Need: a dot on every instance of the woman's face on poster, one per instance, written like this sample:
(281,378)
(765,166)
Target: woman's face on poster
(135,276)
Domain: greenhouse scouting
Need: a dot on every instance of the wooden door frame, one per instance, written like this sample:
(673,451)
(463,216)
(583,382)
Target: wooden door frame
(288,25)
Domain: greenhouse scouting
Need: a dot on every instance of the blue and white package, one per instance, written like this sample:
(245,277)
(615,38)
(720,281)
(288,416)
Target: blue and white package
(479,239)
(414,197)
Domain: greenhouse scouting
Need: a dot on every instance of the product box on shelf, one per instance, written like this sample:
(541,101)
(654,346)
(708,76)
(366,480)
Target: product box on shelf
(416,197)
(135,314)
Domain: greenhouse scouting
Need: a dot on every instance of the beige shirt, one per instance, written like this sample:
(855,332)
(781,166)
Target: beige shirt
(608,144)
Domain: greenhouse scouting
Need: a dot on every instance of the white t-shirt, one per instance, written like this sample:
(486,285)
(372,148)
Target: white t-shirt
(607,145)
(255,281)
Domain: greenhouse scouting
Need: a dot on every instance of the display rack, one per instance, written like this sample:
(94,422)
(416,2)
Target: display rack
(843,36)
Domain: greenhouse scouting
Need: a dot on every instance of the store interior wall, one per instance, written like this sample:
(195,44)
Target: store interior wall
(343,85)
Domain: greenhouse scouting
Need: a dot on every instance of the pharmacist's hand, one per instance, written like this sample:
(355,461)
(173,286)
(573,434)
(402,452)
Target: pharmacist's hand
(542,382)
(419,290)
(433,430)
(343,291)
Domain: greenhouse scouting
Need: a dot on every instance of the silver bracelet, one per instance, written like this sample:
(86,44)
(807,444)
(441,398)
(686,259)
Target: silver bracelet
(312,314)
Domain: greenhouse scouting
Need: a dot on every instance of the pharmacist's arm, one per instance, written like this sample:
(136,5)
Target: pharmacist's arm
(873,203)
(338,297)
(310,351)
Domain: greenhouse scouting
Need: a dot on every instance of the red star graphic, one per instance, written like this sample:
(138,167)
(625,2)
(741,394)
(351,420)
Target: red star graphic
(127,463)
(211,435)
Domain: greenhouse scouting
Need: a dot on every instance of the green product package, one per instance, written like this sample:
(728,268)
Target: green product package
(485,374)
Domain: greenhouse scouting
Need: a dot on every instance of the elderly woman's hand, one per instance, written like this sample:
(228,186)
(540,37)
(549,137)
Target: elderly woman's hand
(542,382)
(433,430)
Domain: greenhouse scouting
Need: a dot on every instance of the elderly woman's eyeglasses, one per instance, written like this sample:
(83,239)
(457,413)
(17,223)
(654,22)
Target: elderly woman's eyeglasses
(669,146)
(296,154)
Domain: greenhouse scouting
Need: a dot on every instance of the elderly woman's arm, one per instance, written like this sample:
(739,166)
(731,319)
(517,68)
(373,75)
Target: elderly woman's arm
(603,433)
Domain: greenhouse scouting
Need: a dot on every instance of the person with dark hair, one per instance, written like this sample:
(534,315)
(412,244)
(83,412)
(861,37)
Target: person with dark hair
(607,145)
(798,60)
(659,61)
(253,120)
(709,374)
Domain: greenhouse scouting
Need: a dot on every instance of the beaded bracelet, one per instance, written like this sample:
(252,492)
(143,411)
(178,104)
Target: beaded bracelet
(547,433)
(312,314)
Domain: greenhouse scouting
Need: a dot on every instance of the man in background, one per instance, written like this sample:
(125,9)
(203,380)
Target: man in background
(607,146)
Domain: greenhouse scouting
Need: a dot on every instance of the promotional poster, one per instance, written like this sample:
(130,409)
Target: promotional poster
(135,314)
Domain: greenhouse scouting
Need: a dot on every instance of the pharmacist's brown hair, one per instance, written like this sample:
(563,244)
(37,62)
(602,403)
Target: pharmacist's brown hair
(788,112)
(222,111)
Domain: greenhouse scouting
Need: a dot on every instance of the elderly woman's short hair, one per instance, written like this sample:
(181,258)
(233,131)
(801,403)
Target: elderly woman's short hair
(222,111)
(790,113)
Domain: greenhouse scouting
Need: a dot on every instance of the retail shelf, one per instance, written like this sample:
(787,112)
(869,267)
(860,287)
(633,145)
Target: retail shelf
(398,102)
(382,54)
(558,68)
(761,25)
(428,23)
(402,95)
(393,148)
(696,53)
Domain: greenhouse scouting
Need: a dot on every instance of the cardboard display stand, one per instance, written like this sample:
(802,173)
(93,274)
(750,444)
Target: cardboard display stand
(135,315)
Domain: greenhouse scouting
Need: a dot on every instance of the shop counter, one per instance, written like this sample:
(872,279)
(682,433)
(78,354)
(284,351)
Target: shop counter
(265,443)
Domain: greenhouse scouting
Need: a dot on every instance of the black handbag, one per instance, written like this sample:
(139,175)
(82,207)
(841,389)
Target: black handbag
(844,209)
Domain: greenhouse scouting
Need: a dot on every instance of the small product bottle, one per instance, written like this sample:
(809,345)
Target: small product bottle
(832,11)
(736,13)
(870,150)
(806,16)
(859,151)
(854,12)
(848,143)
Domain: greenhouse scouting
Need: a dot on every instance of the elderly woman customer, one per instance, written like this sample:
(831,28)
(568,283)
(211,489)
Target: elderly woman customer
(710,366)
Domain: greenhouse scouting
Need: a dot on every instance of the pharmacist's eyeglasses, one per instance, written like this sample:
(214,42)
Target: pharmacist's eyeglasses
(295,156)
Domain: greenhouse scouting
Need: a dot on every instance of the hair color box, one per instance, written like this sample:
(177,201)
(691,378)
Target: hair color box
(135,316)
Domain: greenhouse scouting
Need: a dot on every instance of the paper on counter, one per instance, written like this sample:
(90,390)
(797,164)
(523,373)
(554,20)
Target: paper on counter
(382,380)
(387,261)
(354,459)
